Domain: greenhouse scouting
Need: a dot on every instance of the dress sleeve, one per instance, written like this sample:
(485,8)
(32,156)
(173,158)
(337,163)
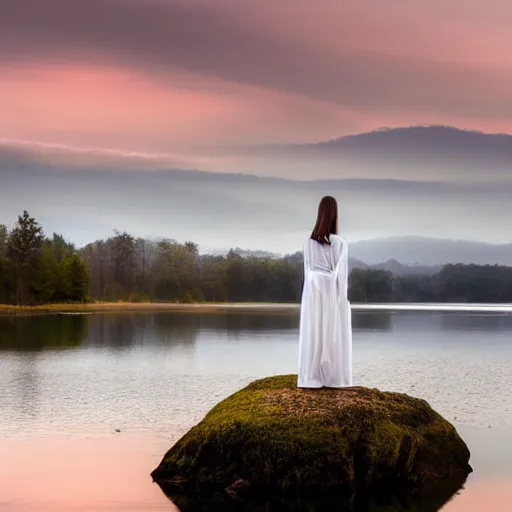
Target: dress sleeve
(345,268)
(342,268)
(305,257)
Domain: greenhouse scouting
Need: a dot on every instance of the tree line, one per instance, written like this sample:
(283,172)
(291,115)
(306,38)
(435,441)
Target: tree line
(36,269)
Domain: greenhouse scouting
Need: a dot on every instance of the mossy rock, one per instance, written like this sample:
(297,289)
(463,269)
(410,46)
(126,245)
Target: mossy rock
(275,440)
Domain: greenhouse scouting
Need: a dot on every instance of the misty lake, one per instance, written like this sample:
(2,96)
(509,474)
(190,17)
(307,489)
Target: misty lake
(90,403)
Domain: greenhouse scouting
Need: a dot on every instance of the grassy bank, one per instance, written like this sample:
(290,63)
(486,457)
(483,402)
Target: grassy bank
(147,307)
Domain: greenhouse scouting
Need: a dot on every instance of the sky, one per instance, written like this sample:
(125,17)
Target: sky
(169,76)
(138,86)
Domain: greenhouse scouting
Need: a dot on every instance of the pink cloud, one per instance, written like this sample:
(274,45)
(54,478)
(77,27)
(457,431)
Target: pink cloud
(118,108)
(168,76)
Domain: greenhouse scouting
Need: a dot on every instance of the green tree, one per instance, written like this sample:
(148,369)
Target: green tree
(357,286)
(371,285)
(76,277)
(474,283)
(212,275)
(46,280)
(24,244)
(175,272)
(6,268)
(4,237)
(413,288)
(236,277)
(379,285)
(123,260)
(61,248)
(97,257)
(145,253)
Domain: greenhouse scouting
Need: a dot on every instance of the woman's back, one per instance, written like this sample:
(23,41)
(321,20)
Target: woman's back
(325,347)
(325,259)
(323,255)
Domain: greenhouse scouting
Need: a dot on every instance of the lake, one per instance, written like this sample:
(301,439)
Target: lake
(89,404)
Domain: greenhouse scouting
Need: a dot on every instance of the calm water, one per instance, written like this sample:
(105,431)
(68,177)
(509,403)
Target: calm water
(67,383)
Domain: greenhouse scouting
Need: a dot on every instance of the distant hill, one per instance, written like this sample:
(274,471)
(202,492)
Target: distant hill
(399,269)
(443,139)
(423,251)
(445,152)
(393,265)
(411,254)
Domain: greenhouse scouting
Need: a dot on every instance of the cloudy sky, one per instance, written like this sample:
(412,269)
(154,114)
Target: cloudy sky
(167,76)
(148,85)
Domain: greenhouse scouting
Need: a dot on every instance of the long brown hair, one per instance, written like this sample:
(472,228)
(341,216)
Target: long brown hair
(326,221)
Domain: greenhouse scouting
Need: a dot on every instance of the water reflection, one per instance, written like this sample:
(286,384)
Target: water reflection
(178,330)
(27,388)
(431,498)
(116,331)
(372,321)
(163,371)
(124,330)
(154,376)
(28,333)
(240,324)
(246,322)
(477,322)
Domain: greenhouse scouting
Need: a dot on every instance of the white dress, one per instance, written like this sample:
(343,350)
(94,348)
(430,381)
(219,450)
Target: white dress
(325,347)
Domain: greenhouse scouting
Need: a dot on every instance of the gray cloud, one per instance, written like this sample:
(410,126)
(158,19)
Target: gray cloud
(215,39)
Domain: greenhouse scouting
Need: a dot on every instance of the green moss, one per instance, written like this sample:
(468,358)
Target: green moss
(284,440)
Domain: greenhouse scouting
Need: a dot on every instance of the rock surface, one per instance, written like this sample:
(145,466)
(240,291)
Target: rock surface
(272,439)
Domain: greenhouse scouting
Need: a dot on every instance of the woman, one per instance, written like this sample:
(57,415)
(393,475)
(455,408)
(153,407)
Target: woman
(325,349)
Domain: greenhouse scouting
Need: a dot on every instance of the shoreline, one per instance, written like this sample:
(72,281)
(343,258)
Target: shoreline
(148,307)
(258,307)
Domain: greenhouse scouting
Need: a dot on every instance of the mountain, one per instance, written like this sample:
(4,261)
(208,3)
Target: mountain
(445,140)
(422,251)
(417,152)
(417,255)
(397,268)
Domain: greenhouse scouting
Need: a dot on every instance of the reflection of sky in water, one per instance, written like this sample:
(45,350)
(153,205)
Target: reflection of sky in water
(111,473)
(154,376)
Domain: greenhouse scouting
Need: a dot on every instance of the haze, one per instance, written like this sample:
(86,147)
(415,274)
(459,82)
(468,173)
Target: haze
(101,100)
